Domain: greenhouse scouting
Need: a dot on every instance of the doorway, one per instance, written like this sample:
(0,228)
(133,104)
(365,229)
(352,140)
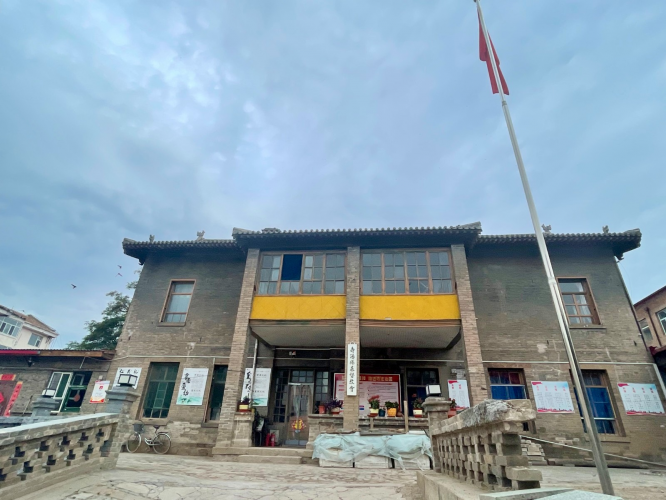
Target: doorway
(300,404)
(416,384)
(75,393)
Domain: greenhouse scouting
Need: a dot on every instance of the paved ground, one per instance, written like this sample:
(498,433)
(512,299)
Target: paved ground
(147,476)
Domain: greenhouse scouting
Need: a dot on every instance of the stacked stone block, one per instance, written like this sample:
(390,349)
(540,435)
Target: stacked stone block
(534,452)
(482,444)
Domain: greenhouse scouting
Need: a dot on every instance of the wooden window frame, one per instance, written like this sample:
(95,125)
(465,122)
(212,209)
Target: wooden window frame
(591,303)
(304,253)
(427,251)
(168,296)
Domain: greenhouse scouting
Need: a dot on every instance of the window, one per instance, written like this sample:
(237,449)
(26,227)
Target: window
(411,272)
(596,386)
(281,394)
(217,392)
(59,382)
(661,316)
(160,386)
(507,384)
(578,301)
(10,326)
(416,384)
(302,273)
(178,301)
(645,329)
(321,388)
(35,340)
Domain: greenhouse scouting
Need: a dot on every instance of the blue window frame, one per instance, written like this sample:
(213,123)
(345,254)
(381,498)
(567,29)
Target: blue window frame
(602,406)
(507,384)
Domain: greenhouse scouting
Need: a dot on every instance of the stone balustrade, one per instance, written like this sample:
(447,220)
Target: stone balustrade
(481,445)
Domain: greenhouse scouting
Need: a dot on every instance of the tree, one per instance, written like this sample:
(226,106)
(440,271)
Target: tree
(104,334)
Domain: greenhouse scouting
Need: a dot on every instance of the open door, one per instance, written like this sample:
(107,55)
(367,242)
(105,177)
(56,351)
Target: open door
(300,404)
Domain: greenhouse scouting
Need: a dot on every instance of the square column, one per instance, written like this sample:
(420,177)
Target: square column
(352,332)
(476,378)
(238,355)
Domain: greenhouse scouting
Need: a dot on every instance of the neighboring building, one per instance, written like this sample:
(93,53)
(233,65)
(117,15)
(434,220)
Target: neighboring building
(25,373)
(425,305)
(23,331)
(651,315)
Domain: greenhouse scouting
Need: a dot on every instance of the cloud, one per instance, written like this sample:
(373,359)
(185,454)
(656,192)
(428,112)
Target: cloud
(125,119)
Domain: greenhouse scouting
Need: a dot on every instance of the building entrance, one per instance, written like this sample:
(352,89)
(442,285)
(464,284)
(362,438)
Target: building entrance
(300,402)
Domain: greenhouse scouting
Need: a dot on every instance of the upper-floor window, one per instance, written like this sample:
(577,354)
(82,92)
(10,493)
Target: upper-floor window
(645,329)
(178,301)
(411,272)
(302,273)
(35,340)
(578,301)
(661,316)
(10,326)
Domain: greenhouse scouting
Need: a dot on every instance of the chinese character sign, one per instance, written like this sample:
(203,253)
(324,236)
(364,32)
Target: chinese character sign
(351,377)
(192,386)
(99,391)
(552,397)
(260,389)
(640,399)
(131,371)
(458,391)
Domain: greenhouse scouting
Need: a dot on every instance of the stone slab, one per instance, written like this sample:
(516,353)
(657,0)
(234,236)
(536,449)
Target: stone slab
(259,459)
(582,495)
(373,462)
(532,494)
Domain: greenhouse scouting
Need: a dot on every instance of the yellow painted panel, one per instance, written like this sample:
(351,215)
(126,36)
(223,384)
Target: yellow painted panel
(409,307)
(299,307)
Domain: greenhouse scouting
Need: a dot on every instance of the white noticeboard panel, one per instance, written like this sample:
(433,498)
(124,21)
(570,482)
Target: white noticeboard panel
(640,399)
(387,387)
(552,397)
(131,371)
(262,384)
(351,376)
(192,386)
(458,391)
(99,391)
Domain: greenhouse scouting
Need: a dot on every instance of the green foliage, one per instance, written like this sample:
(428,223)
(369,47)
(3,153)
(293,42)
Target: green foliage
(104,334)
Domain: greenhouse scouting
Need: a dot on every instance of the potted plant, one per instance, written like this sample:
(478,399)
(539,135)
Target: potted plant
(334,406)
(417,407)
(391,408)
(244,405)
(452,410)
(374,406)
(382,412)
(321,408)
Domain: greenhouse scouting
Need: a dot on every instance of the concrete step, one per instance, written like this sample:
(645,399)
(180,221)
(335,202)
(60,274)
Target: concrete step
(257,459)
(264,451)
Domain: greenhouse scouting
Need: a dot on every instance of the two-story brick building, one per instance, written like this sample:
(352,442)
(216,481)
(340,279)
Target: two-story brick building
(445,306)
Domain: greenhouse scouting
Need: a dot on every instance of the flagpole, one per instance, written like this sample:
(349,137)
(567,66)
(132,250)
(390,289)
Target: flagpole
(577,375)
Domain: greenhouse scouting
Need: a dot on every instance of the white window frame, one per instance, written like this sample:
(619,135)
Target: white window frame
(39,338)
(65,390)
(662,319)
(15,326)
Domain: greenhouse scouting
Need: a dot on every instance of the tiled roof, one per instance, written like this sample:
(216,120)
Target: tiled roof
(653,294)
(139,249)
(239,233)
(632,235)
(29,318)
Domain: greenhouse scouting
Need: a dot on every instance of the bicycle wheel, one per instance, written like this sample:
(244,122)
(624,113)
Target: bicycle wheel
(133,442)
(161,443)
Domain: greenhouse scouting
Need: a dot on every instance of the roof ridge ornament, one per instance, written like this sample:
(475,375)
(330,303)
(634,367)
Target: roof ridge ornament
(546,229)
(200,235)
(605,229)
(151,238)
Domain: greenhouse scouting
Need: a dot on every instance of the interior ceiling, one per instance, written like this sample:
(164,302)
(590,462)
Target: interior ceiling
(433,337)
(294,335)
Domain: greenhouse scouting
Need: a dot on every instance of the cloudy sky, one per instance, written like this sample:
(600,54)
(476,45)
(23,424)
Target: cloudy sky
(129,118)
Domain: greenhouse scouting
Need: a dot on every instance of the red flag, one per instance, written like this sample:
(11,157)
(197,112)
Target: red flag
(484,56)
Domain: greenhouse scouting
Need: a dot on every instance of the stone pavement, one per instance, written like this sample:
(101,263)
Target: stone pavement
(172,477)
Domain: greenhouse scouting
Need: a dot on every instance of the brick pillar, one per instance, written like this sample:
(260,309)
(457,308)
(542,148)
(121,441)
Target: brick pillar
(237,356)
(352,332)
(476,378)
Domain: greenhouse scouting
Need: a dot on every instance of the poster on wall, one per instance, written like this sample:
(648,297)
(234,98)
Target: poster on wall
(131,371)
(458,391)
(192,386)
(262,384)
(552,397)
(387,387)
(9,392)
(99,391)
(640,399)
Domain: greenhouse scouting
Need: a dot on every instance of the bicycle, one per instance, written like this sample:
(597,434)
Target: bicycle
(160,442)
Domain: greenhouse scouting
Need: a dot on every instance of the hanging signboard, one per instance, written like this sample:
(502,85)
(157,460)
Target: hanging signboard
(260,389)
(99,391)
(640,399)
(131,371)
(552,397)
(192,386)
(352,374)
(458,391)
(387,387)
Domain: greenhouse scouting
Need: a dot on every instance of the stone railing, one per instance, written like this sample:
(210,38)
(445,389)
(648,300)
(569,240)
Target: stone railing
(482,445)
(38,455)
